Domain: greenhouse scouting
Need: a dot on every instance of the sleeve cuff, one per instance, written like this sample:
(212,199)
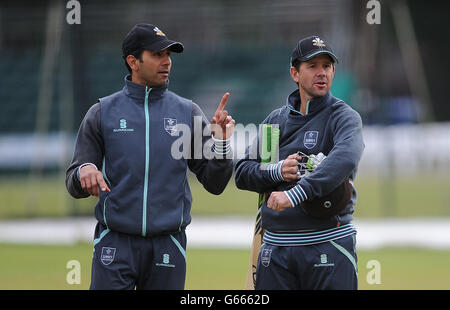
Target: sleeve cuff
(221,147)
(275,171)
(296,195)
(85,164)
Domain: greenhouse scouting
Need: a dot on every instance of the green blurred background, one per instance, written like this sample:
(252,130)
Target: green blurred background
(392,73)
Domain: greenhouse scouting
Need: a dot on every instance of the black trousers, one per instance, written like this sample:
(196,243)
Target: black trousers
(329,265)
(122,261)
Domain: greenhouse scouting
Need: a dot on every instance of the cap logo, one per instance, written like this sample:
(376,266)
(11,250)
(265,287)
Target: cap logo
(158,32)
(318,42)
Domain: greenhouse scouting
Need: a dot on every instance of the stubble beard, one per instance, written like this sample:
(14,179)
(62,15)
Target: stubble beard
(311,93)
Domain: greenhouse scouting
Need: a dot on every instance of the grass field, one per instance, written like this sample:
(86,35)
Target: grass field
(44,267)
(404,197)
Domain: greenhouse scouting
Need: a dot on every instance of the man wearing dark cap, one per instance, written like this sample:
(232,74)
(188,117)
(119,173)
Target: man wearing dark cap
(309,240)
(125,155)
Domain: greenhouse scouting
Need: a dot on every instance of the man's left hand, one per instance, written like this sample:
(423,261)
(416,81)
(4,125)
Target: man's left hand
(278,201)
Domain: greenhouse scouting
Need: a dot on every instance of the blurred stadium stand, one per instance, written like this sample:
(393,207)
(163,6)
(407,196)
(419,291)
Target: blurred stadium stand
(243,47)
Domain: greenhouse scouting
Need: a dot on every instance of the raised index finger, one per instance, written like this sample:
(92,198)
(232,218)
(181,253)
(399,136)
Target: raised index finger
(223,103)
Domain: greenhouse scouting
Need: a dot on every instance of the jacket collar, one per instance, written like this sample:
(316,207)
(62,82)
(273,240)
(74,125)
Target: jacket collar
(137,91)
(313,105)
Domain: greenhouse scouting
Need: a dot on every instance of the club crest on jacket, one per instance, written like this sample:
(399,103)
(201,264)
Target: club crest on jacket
(310,139)
(170,125)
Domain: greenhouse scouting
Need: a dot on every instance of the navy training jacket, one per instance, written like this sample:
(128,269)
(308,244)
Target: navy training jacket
(129,136)
(331,127)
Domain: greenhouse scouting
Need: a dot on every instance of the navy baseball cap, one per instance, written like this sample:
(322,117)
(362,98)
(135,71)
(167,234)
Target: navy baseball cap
(149,37)
(311,47)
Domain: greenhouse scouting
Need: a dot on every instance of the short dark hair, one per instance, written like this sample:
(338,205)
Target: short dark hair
(137,54)
(296,64)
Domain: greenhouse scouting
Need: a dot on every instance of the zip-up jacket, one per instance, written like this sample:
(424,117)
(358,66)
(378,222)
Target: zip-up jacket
(130,137)
(329,126)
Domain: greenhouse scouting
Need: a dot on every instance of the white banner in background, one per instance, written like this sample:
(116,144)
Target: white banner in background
(406,149)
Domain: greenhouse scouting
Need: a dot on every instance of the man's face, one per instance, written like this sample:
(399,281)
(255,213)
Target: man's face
(315,76)
(154,69)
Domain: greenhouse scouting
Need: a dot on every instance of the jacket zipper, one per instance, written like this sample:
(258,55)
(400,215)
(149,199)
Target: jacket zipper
(147,154)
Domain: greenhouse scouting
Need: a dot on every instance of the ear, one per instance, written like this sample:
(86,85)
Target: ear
(295,74)
(133,62)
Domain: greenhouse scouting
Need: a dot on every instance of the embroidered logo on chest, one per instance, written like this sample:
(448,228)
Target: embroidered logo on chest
(123,126)
(310,139)
(170,125)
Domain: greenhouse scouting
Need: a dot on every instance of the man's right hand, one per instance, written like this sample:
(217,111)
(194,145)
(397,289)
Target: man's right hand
(91,179)
(289,168)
